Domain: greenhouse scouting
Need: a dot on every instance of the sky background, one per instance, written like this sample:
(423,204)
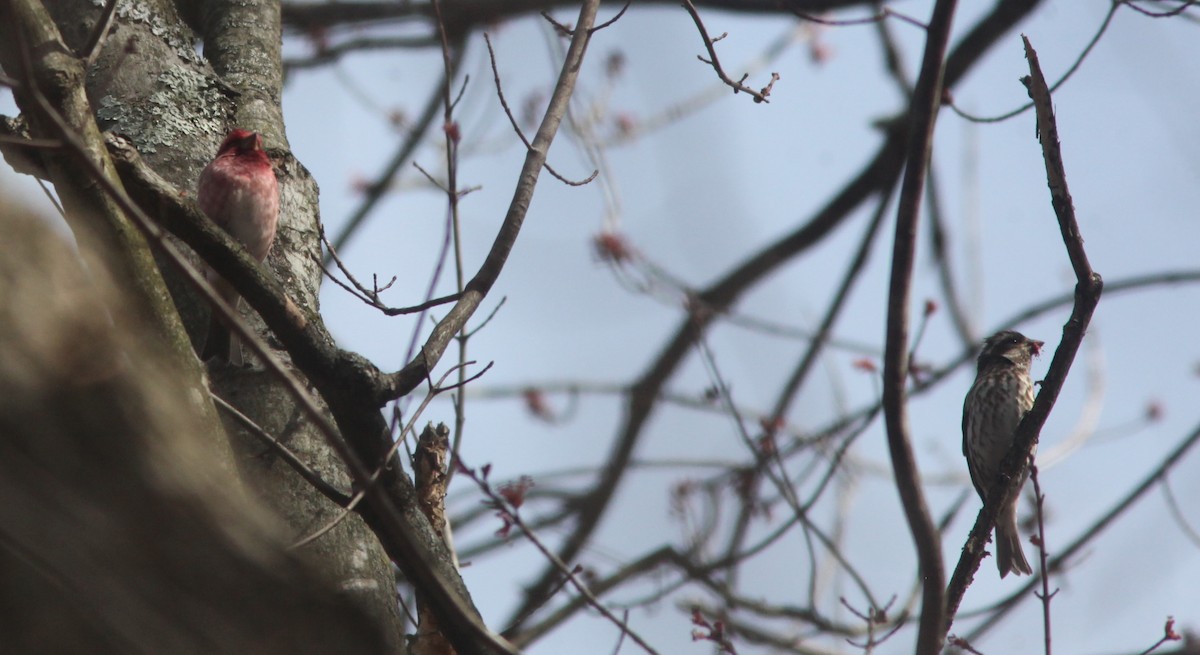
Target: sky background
(701,193)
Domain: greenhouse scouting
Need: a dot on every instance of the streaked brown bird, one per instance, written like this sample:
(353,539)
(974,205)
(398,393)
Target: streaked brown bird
(995,405)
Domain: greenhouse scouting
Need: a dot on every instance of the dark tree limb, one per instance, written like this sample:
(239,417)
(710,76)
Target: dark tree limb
(923,111)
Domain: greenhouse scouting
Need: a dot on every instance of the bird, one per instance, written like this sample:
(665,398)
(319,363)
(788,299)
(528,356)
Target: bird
(1000,397)
(238,191)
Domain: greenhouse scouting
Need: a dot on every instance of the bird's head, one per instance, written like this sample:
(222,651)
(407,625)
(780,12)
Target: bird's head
(1011,346)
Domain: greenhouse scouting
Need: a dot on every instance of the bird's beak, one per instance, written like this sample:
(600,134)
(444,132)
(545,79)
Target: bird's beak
(1036,347)
(253,141)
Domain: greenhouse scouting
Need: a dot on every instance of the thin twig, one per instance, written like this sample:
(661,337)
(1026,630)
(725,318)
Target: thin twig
(1177,513)
(878,17)
(509,510)
(1160,14)
(779,479)
(612,20)
(312,477)
(328,54)
(1112,10)
(792,386)
(91,49)
(1046,595)
(371,296)
(517,127)
(709,43)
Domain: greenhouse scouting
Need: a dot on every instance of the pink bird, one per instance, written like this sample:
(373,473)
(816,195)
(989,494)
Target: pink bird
(238,191)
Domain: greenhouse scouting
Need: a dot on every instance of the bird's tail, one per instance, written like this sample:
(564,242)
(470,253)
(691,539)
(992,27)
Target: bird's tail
(221,342)
(1009,555)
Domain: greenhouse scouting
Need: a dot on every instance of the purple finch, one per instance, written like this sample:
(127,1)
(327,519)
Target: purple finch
(995,405)
(239,193)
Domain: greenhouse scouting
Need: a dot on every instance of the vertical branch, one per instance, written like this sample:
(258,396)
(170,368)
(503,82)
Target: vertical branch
(923,115)
(429,472)
(1088,286)
(1046,595)
(453,135)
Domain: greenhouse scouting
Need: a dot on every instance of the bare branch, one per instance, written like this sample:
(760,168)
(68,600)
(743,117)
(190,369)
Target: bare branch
(1040,541)
(312,477)
(513,120)
(507,504)
(371,296)
(1087,295)
(760,95)
(923,110)
(95,42)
